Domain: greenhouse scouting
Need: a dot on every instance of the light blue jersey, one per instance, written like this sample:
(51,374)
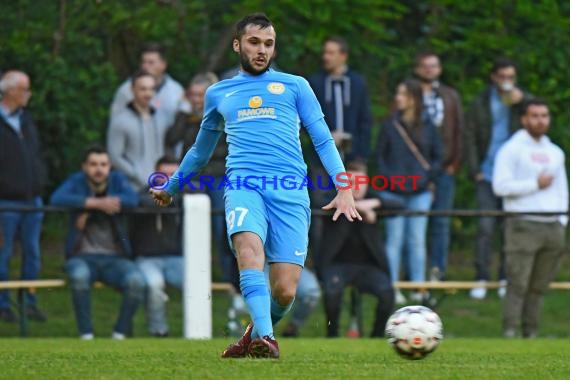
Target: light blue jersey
(261,116)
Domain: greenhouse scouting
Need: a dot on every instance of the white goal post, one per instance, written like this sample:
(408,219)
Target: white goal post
(197,291)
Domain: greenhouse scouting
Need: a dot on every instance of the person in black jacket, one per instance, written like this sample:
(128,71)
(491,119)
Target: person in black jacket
(408,145)
(22,177)
(353,255)
(157,244)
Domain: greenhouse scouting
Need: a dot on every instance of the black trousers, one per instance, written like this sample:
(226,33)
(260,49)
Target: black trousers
(367,279)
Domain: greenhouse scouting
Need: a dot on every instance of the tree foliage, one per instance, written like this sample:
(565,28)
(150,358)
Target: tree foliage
(78,52)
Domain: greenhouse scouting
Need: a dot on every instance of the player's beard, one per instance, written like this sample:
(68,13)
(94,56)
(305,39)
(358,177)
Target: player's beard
(246,66)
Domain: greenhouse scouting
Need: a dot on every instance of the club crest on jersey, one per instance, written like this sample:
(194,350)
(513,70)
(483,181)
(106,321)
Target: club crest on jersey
(276,88)
(255,101)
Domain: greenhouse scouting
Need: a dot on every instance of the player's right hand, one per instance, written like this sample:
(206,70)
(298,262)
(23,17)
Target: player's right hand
(161,197)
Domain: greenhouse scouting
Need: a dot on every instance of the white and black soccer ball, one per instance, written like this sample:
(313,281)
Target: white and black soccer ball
(414,331)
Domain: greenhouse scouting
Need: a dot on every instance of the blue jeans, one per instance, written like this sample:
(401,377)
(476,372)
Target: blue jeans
(407,233)
(26,227)
(158,272)
(115,271)
(306,298)
(440,225)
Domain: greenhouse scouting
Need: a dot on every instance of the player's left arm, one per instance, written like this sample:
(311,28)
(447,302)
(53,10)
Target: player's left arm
(312,118)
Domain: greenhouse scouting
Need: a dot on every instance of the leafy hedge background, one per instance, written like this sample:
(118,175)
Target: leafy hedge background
(78,51)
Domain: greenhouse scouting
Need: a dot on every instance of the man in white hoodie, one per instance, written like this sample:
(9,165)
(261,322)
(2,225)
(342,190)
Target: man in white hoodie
(530,176)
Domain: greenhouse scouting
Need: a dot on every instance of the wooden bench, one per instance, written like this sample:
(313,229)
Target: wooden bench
(31,286)
(216,286)
(463,285)
(452,287)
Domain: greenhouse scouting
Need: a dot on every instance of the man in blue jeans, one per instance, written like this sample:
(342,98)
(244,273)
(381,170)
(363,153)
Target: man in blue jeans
(157,245)
(22,176)
(97,246)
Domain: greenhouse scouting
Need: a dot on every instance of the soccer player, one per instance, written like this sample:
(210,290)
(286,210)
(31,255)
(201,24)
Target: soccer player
(267,219)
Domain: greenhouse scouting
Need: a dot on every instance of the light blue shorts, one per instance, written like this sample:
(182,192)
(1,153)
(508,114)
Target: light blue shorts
(281,218)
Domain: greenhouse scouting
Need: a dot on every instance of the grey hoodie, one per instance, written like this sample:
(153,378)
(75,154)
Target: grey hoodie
(135,144)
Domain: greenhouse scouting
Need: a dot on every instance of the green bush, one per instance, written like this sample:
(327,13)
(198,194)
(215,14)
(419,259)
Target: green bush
(78,52)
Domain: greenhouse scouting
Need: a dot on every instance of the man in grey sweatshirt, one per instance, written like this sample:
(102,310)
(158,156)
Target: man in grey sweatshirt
(135,139)
(169,95)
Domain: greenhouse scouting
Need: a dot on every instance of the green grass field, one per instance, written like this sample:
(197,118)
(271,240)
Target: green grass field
(472,348)
(301,359)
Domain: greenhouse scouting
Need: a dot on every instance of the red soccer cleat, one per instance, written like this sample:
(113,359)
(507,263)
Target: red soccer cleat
(264,348)
(239,349)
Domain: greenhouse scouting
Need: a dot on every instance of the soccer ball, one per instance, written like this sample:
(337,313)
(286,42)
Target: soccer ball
(414,331)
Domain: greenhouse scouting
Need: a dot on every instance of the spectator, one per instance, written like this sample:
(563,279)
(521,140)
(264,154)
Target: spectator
(136,135)
(408,146)
(187,125)
(490,120)
(157,243)
(185,130)
(343,96)
(442,105)
(22,177)
(169,93)
(97,246)
(353,255)
(530,175)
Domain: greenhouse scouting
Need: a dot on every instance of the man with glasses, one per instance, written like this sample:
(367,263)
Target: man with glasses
(490,121)
(22,176)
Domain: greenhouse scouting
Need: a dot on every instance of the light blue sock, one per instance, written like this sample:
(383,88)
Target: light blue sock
(278,311)
(256,295)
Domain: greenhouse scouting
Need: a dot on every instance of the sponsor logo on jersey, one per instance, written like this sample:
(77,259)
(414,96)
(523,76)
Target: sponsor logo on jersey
(276,88)
(256,111)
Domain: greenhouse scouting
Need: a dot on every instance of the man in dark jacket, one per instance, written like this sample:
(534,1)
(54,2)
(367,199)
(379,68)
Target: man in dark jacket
(22,176)
(343,96)
(97,246)
(353,254)
(491,119)
(442,106)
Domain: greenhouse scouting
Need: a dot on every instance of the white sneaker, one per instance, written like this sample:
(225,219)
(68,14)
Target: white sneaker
(400,299)
(502,291)
(480,292)
(87,336)
(118,336)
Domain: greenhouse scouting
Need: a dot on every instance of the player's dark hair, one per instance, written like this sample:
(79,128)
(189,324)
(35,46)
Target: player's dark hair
(532,102)
(140,74)
(153,47)
(93,149)
(166,160)
(414,89)
(340,41)
(423,55)
(502,63)
(356,166)
(257,19)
